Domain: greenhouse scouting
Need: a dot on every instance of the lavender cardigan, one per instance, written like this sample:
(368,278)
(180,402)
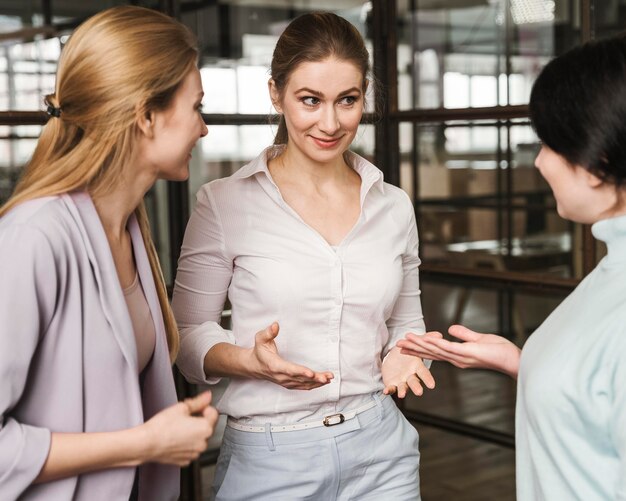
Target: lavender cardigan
(68,358)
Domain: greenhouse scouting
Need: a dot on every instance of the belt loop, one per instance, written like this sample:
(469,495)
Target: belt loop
(379,404)
(268,437)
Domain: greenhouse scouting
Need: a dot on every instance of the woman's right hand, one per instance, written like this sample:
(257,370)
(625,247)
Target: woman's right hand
(179,434)
(478,351)
(269,365)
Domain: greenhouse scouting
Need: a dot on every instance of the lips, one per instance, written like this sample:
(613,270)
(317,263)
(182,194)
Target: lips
(326,143)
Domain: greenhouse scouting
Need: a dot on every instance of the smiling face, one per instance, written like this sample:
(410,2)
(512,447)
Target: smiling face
(322,104)
(171,134)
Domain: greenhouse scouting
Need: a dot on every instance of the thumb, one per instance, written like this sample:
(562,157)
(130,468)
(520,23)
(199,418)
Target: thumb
(199,403)
(268,334)
(463,333)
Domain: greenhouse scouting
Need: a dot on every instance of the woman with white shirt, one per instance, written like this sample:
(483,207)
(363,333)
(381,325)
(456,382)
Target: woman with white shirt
(307,240)
(571,397)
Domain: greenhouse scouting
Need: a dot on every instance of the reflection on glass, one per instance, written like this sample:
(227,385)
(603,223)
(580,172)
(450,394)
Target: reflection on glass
(479,55)
(480,201)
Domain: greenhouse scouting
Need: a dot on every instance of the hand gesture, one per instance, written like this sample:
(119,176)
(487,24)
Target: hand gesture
(486,351)
(272,367)
(401,372)
(179,434)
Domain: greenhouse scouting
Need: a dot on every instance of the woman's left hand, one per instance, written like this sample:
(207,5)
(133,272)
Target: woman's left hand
(401,372)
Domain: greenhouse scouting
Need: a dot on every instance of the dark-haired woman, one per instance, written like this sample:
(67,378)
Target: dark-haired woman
(309,237)
(571,399)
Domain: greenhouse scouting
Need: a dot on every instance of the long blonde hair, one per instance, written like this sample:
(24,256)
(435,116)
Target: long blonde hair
(119,63)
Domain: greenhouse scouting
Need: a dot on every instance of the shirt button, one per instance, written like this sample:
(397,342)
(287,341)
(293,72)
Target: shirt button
(338,300)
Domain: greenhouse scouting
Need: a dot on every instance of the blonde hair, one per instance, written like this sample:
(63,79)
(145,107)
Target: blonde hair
(119,63)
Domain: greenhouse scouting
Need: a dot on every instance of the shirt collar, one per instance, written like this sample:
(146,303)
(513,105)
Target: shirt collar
(612,232)
(370,174)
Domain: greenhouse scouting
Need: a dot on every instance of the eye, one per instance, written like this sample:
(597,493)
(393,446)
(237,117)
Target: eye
(310,101)
(199,108)
(349,100)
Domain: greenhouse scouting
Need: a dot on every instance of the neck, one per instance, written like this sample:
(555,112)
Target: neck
(301,168)
(117,204)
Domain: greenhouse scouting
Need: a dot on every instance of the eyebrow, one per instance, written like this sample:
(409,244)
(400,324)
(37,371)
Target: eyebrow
(320,94)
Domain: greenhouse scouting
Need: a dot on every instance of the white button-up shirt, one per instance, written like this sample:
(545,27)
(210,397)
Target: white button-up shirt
(340,309)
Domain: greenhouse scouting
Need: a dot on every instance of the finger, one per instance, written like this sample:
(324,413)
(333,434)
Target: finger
(390,389)
(402,387)
(463,333)
(268,334)
(419,348)
(429,352)
(414,383)
(198,403)
(425,376)
(428,335)
(210,413)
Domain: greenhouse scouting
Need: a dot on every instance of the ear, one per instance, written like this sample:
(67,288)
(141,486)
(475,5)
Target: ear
(274,95)
(145,121)
(593,181)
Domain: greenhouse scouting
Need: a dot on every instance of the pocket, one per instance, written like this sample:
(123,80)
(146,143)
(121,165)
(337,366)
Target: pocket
(221,468)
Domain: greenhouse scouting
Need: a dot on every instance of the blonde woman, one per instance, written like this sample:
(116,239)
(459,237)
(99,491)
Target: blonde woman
(87,401)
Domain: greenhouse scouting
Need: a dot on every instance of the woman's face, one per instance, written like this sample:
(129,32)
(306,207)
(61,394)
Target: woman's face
(580,196)
(175,131)
(322,104)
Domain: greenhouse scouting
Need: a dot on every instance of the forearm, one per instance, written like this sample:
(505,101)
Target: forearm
(74,453)
(510,363)
(229,360)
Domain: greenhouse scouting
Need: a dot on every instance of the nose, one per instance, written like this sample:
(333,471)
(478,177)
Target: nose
(539,157)
(329,121)
(205,130)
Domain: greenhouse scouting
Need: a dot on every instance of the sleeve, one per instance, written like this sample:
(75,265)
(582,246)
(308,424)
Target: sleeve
(617,421)
(406,315)
(202,280)
(27,304)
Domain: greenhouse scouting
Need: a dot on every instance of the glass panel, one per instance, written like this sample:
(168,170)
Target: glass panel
(609,18)
(481,203)
(478,55)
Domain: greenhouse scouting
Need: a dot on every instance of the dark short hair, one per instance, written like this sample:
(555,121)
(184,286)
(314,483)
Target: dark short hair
(578,107)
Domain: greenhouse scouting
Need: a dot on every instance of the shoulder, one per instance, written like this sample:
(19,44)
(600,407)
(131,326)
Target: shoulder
(45,222)
(227,190)
(43,215)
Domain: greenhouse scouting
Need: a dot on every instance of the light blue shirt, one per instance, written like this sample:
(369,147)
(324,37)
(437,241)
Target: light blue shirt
(571,403)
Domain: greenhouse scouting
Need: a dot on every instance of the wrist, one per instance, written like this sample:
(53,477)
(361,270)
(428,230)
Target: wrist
(143,445)
(252,365)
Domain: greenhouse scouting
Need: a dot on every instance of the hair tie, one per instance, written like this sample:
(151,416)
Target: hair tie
(53,111)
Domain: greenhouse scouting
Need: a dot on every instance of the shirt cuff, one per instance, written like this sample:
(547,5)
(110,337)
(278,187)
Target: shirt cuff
(195,343)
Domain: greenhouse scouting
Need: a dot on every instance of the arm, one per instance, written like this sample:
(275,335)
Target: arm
(399,371)
(27,301)
(28,295)
(478,351)
(176,435)
(208,351)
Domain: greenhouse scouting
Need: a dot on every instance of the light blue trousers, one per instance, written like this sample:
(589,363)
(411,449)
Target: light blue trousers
(373,456)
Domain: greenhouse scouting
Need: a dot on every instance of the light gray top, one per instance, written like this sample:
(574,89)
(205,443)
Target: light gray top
(571,402)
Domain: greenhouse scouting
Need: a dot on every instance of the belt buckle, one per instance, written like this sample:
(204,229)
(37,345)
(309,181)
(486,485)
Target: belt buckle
(334,419)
